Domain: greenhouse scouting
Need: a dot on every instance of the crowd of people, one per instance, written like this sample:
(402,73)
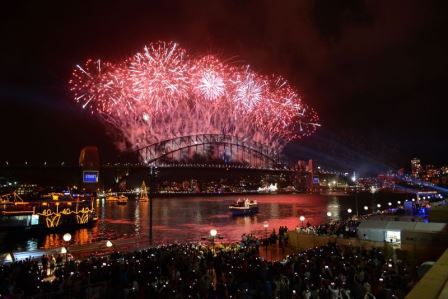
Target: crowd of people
(199,271)
(340,228)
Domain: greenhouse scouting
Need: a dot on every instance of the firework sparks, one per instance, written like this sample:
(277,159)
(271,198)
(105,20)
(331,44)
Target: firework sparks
(162,93)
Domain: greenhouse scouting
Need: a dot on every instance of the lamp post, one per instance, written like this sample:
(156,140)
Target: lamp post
(64,251)
(356,193)
(373,191)
(366,208)
(213,233)
(349,211)
(66,237)
(266,225)
(152,185)
(302,218)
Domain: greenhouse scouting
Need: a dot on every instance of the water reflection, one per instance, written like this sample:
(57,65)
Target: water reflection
(333,207)
(191,218)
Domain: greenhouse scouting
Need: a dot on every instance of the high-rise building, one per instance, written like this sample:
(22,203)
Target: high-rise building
(416,167)
(432,174)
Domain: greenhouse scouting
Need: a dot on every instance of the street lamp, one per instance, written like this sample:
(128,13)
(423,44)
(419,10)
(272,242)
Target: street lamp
(266,225)
(349,210)
(378,205)
(390,204)
(399,202)
(302,218)
(213,233)
(67,237)
(329,214)
(109,244)
(366,208)
(64,251)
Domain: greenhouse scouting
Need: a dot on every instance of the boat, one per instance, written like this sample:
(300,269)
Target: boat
(244,207)
(122,200)
(143,193)
(111,197)
(49,212)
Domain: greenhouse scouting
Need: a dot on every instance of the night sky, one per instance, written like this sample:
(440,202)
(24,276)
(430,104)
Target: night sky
(375,71)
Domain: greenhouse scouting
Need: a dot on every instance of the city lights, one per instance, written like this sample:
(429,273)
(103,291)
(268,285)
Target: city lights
(167,149)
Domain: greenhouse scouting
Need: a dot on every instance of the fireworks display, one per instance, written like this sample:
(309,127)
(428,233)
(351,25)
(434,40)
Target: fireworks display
(163,93)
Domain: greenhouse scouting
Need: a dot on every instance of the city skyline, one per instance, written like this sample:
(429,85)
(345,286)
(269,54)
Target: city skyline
(374,75)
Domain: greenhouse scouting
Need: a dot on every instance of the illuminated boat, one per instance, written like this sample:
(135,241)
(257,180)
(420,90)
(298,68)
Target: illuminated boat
(47,214)
(244,207)
(143,193)
(111,197)
(122,200)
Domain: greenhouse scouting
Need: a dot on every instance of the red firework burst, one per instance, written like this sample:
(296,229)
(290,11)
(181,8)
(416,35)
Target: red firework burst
(162,93)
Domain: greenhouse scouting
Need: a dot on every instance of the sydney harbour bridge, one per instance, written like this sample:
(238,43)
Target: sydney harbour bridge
(211,150)
(201,156)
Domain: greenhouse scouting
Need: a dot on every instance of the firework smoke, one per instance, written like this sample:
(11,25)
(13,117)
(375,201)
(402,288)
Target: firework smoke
(163,93)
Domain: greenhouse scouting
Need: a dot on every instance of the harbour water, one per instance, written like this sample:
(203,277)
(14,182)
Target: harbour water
(191,218)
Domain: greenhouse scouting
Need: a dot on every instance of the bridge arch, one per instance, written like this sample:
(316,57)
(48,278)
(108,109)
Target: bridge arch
(226,148)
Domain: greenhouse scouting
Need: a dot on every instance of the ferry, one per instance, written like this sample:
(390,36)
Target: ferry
(244,207)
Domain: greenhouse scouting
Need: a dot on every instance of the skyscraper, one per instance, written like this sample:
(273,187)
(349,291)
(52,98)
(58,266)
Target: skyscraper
(416,167)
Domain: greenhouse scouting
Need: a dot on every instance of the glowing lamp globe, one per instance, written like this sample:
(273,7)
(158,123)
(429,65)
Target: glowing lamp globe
(213,232)
(389,204)
(63,250)
(329,214)
(67,237)
(302,218)
(378,205)
(265,224)
(366,208)
(349,211)
(109,244)
(399,202)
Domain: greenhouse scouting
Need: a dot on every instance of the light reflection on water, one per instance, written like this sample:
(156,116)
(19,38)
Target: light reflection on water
(191,218)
